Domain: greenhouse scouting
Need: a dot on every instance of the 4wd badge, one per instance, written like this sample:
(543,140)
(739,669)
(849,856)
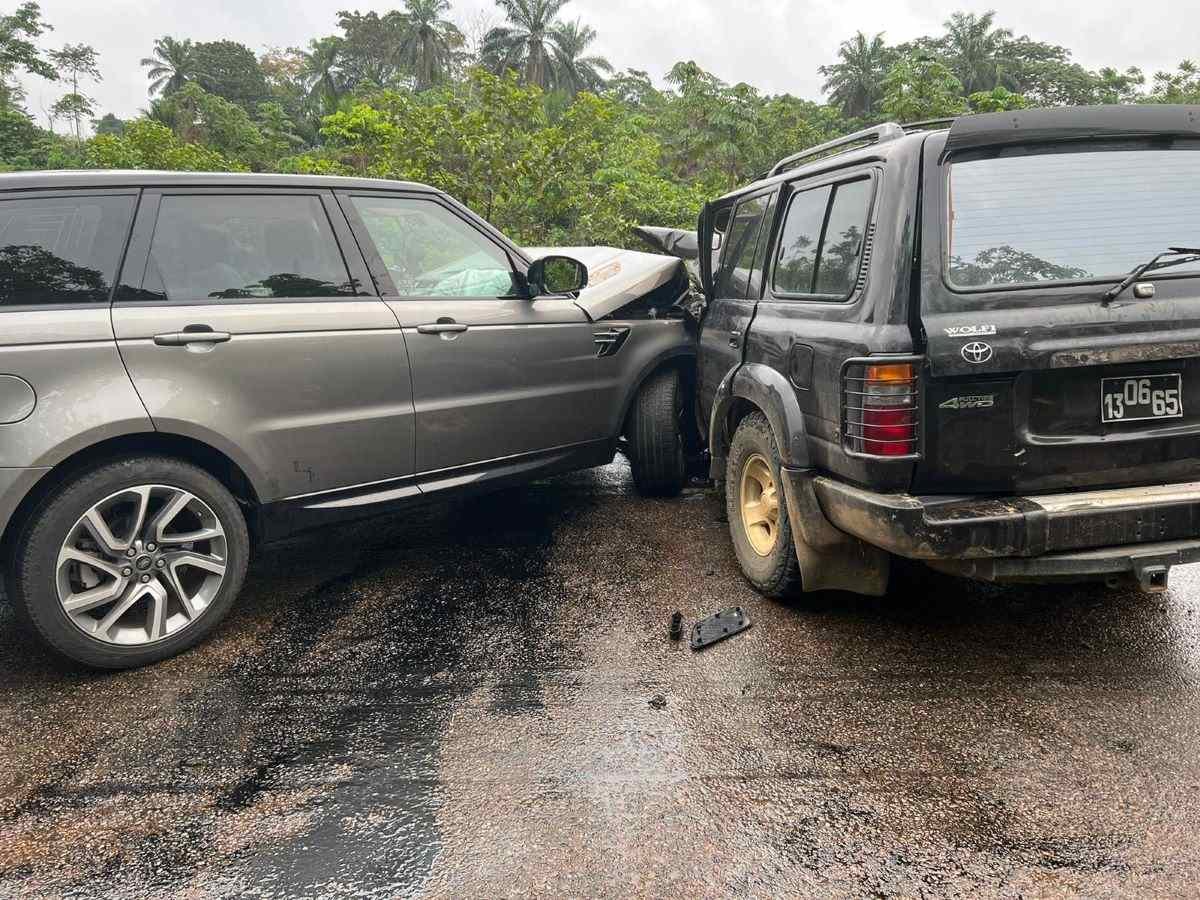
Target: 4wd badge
(975,401)
(977,352)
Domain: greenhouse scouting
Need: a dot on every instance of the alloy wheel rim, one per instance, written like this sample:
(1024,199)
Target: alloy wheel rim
(141,565)
(759,501)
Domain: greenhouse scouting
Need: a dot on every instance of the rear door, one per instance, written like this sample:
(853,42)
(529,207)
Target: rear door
(1036,382)
(243,324)
(497,377)
(736,285)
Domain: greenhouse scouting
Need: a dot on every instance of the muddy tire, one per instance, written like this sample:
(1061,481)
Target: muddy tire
(129,562)
(757,513)
(656,443)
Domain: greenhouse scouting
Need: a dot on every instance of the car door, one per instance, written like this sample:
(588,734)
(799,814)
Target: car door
(731,308)
(243,324)
(496,376)
(809,320)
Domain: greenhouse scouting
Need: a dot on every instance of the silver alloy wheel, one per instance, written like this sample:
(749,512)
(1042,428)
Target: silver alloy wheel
(141,565)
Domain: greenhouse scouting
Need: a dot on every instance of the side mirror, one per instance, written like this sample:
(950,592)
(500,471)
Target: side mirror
(556,275)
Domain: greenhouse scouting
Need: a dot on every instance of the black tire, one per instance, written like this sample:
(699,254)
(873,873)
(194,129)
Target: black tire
(31,577)
(656,445)
(777,573)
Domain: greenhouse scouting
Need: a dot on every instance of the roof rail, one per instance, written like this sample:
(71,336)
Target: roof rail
(877,134)
(927,124)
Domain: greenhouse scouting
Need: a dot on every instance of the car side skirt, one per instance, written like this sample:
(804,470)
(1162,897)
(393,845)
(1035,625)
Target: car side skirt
(283,518)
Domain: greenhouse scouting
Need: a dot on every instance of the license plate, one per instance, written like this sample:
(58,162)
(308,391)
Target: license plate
(1141,398)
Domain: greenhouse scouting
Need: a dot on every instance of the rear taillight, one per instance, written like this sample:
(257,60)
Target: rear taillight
(881,403)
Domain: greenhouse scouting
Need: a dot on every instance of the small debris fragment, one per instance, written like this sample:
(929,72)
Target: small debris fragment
(658,701)
(726,623)
(676,625)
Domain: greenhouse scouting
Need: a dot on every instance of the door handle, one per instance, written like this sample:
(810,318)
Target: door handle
(442,328)
(193,334)
(735,338)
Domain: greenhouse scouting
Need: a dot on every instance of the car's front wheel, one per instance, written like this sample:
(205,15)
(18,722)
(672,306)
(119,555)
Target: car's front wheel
(130,562)
(655,435)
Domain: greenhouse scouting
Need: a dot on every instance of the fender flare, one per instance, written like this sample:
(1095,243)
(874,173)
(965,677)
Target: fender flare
(767,389)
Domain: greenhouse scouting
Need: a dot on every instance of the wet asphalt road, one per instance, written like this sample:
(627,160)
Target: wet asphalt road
(483,701)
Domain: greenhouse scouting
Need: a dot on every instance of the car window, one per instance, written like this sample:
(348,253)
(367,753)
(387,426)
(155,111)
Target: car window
(61,250)
(737,257)
(842,243)
(431,252)
(799,242)
(236,247)
(1067,216)
(760,254)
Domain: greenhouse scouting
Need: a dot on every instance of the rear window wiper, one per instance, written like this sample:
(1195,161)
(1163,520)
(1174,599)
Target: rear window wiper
(1186,254)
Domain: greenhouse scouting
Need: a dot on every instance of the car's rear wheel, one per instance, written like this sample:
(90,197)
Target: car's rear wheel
(130,562)
(757,513)
(655,434)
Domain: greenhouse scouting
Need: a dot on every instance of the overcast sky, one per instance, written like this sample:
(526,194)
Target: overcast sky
(775,45)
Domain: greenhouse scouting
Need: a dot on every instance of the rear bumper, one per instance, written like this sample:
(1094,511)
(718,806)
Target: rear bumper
(998,527)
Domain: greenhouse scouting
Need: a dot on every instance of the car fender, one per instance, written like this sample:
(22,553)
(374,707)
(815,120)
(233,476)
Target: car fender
(768,390)
(653,344)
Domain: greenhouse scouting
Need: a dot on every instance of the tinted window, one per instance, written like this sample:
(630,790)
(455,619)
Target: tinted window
(760,254)
(737,258)
(62,250)
(799,242)
(431,252)
(842,245)
(1072,215)
(245,247)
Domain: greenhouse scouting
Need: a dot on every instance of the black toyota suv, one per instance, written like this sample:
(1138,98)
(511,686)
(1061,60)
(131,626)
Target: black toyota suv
(974,343)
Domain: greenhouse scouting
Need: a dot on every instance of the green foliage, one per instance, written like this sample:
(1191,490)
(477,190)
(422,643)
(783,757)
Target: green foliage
(171,65)
(998,99)
(73,62)
(370,48)
(151,145)
(17,50)
(198,117)
(1181,86)
(542,138)
(854,82)
(919,87)
(109,124)
(230,70)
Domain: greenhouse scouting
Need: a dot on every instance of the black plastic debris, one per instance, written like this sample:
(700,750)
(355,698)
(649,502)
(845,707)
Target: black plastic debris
(676,626)
(726,623)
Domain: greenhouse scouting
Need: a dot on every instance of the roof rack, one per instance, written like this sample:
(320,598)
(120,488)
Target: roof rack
(928,124)
(878,134)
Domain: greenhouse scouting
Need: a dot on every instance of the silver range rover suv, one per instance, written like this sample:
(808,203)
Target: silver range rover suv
(191,364)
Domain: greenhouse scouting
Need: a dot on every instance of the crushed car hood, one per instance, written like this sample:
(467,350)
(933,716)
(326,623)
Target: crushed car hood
(616,278)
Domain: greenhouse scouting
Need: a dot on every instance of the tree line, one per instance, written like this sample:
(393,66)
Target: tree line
(518,117)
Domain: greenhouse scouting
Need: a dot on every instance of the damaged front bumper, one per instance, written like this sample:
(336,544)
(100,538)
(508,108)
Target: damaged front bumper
(1139,532)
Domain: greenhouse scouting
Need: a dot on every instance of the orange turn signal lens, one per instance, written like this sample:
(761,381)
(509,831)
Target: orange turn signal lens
(890,374)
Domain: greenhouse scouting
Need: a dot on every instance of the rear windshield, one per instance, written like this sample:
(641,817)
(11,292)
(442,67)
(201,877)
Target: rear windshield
(1069,216)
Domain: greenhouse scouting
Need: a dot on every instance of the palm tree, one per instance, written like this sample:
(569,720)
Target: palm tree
(429,42)
(574,72)
(320,73)
(855,81)
(171,66)
(523,43)
(975,51)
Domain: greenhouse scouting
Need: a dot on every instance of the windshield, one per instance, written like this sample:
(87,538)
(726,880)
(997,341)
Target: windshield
(1068,216)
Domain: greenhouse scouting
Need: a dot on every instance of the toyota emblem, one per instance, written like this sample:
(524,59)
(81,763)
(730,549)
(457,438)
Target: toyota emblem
(977,352)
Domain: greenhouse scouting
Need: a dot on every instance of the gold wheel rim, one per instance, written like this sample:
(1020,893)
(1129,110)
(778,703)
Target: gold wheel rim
(759,500)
